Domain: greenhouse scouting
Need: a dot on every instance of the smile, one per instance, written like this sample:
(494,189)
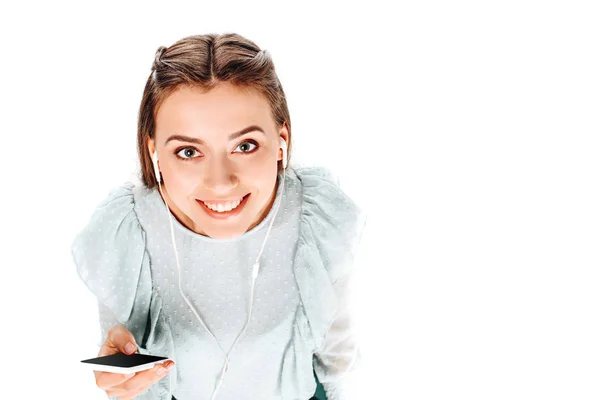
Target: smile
(224,210)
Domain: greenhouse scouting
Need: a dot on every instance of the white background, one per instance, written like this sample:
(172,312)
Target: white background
(469,132)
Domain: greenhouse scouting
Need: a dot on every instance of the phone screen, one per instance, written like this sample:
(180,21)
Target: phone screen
(124,360)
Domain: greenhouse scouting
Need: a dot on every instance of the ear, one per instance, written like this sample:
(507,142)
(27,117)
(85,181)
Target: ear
(283,132)
(150,145)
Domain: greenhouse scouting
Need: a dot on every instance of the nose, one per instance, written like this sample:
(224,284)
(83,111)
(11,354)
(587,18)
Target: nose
(220,178)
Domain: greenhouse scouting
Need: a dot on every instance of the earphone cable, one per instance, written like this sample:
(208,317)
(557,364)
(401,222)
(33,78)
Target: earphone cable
(254,276)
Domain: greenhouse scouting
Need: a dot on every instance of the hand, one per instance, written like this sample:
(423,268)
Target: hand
(126,387)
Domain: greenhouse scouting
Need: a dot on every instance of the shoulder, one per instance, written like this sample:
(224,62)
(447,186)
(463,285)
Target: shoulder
(321,193)
(330,220)
(114,216)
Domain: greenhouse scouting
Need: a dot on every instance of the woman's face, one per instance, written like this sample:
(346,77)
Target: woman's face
(203,157)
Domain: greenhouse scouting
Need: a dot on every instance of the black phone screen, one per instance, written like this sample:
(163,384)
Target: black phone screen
(124,360)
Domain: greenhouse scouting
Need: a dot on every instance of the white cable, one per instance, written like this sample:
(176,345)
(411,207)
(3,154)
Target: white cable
(255,268)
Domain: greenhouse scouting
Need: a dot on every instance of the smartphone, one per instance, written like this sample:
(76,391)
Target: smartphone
(124,364)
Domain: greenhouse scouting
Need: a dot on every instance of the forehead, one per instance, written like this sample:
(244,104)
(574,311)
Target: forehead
(220,111)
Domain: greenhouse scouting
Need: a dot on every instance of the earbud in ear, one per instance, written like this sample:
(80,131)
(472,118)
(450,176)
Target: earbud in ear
(283,146)
(155,163)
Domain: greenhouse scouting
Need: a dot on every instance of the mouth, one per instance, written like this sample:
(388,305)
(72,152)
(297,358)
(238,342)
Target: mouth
(220,212)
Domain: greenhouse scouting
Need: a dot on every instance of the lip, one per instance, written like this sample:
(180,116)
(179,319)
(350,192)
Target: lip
(225,214)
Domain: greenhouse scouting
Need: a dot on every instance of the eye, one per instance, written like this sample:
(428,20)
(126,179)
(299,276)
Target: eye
(246,144)
(187,153)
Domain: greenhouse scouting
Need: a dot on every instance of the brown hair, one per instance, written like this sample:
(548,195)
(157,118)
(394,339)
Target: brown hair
(204,61)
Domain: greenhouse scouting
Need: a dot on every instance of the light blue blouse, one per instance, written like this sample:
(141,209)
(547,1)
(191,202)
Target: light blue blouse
(300,316)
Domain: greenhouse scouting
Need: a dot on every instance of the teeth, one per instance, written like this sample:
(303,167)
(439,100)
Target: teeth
(230,205)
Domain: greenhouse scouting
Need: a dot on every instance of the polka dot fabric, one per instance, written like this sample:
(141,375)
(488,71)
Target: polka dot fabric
(125,256)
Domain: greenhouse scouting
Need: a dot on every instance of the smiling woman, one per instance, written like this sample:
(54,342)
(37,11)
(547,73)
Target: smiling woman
(220,213)
(203,163)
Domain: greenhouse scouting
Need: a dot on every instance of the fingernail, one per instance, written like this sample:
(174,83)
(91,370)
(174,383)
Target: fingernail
(130,375)
(161,371)
(170,366)
(130,348)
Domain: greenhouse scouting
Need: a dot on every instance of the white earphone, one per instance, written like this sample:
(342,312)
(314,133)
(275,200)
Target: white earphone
(255,267)
(283,146)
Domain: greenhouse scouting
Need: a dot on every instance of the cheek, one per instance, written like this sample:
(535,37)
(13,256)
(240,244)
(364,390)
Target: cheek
(259,176)
(262,165)
(179,183)
(180,174)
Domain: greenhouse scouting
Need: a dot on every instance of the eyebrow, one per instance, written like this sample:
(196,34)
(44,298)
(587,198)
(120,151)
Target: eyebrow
(234,135)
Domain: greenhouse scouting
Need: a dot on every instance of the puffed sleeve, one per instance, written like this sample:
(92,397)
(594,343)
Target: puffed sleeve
(111,259)
(340,354)
(333,224)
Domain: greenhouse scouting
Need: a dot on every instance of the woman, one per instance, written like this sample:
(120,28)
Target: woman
(223,259)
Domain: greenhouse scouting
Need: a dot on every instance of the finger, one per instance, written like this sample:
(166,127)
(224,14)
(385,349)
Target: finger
(106,380)
(121,339)
(143,379)
(133,394)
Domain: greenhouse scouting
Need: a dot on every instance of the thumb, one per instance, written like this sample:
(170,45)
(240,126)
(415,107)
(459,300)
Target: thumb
(121,339)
